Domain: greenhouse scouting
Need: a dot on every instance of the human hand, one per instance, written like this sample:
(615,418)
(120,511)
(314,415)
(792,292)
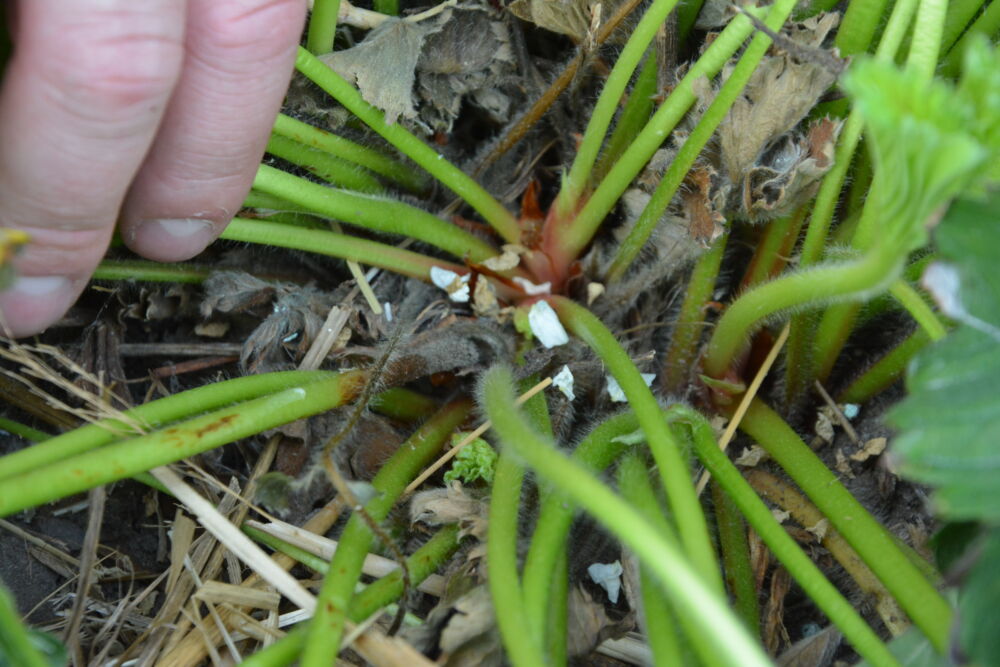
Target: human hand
(153,114)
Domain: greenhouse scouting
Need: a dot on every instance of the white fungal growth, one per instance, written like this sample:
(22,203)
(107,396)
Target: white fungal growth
(563,381)
(546,326)
(530,288)
(455,285)
(609,577)
(615,389)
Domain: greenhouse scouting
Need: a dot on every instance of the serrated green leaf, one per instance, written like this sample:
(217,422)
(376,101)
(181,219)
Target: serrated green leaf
(977,605)
(922,146)
(950,423)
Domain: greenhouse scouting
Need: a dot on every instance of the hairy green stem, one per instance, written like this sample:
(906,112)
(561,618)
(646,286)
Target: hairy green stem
(632,119)
(858,26)
(735,551)
(404,404)
(596,452)
(674,468)
(687,15)
(829,192)
(448,174)
(682,351)
(604,198)
(281,211)
(960,12)
(153,272)
(22,430)
(695,142)
(814,243)
(267,201)
(919,309)
(323,26)
(297,553)
(328,167)
(832,332)
(839,610)
(987,24)
(327,626)
(886,371)
(390,7)
(128,457)
(154,415)
(774,248)
(576,180)
(803,362)
(328,142)
(925,47)
(657,616)
(630,248)
(522,640)
(926,607)
(375,213)
(809,287)
(363,251)
(557,623)
(687,588)
(281,653)
(799,361)
(424,562)
(861,182)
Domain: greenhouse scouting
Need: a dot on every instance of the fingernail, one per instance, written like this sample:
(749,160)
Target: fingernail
(182,228)
(173,239)
(39,285)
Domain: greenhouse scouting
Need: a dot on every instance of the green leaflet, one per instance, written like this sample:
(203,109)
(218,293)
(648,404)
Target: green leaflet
(950,422)
(977,604)
(930,141)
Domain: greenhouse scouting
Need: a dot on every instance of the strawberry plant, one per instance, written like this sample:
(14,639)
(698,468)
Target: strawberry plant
(721,182)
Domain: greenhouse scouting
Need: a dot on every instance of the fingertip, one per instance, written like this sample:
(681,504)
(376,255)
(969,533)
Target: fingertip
(34,303)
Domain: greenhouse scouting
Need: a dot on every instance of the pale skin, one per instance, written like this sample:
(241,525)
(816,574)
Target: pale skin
(152,115)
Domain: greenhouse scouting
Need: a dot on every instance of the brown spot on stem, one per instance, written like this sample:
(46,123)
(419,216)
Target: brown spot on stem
(215,426)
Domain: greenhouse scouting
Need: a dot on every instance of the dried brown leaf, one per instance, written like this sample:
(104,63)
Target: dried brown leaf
(451,505)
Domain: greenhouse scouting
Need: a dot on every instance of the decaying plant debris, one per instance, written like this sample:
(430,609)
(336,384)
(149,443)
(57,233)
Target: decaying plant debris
(164,592)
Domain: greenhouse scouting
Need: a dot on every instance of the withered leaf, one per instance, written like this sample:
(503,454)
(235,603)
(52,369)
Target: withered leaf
(873,447)
(706,223)
(779,94)
(588,624)
(567,17)
(383,65)
(813,651)
(451,505)
(469,59)
(470,636)
(234,292)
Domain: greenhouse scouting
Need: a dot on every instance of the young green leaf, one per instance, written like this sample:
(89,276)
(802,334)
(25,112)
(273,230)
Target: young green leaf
(474,462)
(930,141)
(951,420)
